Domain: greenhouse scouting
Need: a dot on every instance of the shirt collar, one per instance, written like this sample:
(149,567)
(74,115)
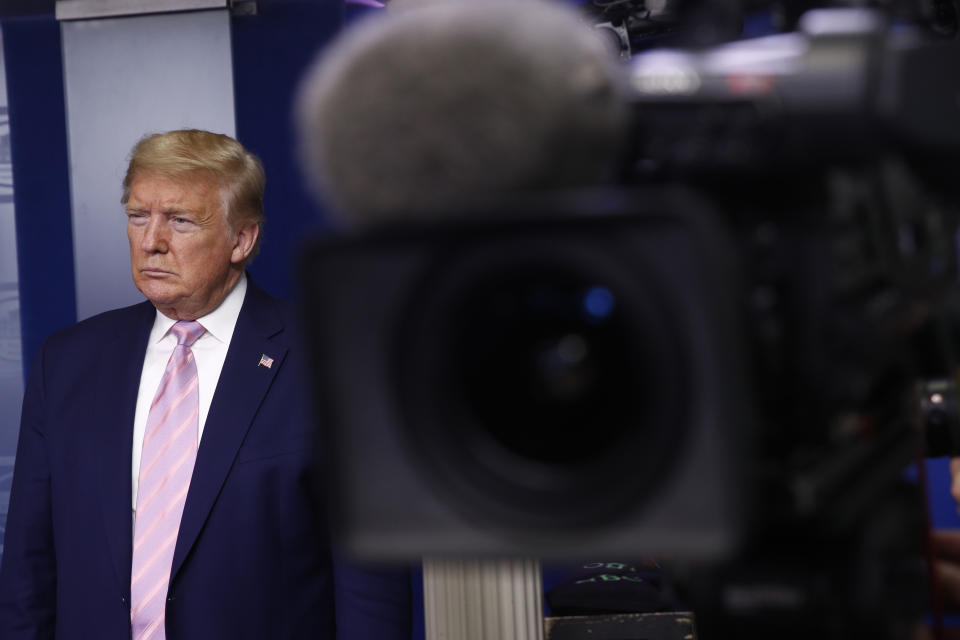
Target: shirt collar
(219,323)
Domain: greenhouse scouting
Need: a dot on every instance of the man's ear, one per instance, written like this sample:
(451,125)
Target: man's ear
(247,235)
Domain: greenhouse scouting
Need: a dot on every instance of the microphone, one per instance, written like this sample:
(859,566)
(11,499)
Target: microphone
(437,104)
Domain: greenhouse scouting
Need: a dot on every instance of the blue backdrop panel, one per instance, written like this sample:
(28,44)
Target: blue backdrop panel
(943,508)
(38,156)
(38,140)
(271,50)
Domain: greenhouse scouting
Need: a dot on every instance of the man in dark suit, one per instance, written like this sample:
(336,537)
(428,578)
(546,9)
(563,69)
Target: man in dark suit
(165,483)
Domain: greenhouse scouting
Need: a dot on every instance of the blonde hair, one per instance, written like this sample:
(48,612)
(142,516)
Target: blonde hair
(188,153)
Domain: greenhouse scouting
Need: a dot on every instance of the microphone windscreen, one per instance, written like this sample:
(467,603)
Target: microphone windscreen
(431,105)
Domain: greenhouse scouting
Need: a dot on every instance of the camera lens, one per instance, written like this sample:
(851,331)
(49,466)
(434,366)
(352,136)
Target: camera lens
(540,385)
(539,362)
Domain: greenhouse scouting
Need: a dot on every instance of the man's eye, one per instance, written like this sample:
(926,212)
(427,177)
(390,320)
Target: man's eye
(137,217)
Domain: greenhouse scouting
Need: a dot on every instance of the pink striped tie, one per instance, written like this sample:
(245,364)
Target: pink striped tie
(166,464)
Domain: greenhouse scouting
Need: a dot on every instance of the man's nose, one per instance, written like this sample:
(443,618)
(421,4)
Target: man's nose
(154,238)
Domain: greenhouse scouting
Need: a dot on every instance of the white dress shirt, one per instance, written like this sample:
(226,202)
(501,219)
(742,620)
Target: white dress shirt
(209,352)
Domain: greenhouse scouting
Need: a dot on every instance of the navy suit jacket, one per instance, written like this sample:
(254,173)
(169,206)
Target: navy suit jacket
(252,559)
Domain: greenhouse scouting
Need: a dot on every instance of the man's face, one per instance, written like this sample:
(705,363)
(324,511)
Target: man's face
(184,255)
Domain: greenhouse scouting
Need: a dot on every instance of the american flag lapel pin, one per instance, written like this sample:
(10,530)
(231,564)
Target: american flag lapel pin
(265,361)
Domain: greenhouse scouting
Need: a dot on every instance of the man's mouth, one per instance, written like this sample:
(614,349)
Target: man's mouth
(155,271)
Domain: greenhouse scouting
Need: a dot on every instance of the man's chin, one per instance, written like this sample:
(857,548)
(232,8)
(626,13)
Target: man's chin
(158,294)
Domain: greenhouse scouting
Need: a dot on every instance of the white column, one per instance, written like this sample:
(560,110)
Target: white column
(482,599)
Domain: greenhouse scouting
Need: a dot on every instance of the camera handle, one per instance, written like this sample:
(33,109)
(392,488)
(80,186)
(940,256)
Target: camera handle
(482,599)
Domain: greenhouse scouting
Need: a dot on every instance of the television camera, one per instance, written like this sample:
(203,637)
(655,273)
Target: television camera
(728,358)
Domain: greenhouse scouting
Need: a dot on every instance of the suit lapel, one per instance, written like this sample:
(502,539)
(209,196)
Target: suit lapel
(119,382)
(242,386)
